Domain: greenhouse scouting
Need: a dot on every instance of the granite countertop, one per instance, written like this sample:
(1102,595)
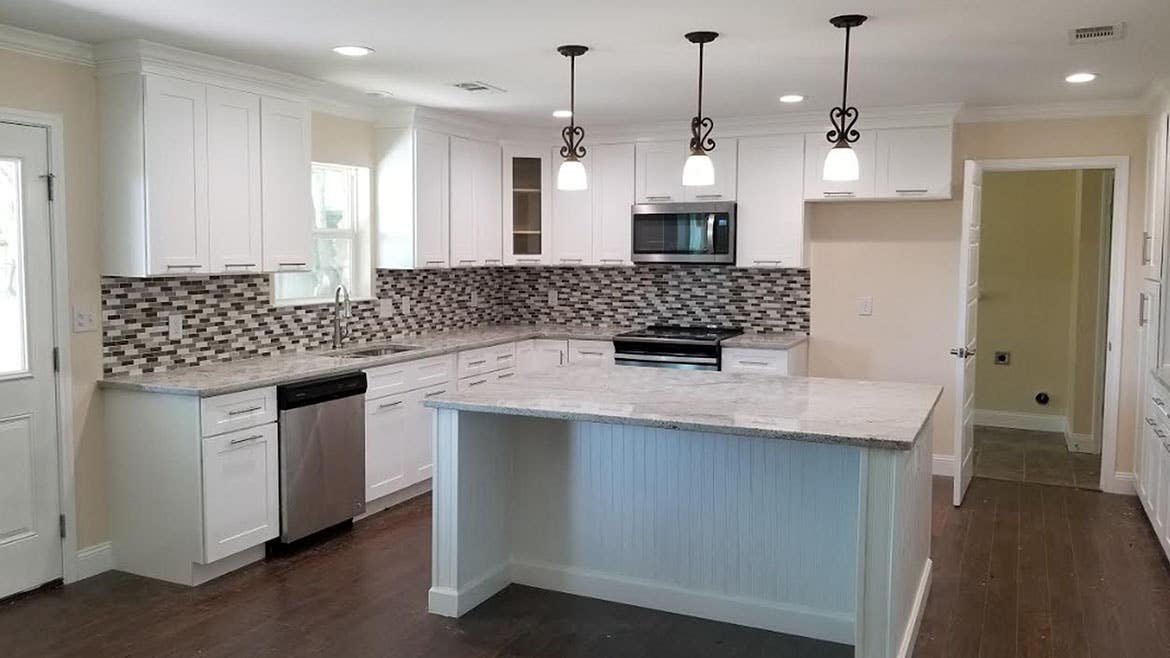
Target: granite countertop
(867,414)
(1162,376)
(222,377)
(780,340)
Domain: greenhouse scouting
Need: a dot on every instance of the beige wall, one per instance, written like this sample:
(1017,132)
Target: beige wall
(905,255)
(339,140)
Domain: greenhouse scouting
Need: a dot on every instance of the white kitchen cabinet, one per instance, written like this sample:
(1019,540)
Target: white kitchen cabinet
(791,362)
(914,163)
(286,169)
(612,186)
(540,354)
(1158,186)
(241,496)
(816,188)
(659,167)
(175,168)
(476,224)
(593,352)
(234,181)
(527,205)
(413,196)
(770,223)
(388,441)
(572,229)
(724,161)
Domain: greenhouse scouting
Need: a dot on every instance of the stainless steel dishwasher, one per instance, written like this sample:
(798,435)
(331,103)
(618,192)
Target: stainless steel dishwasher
(322,454)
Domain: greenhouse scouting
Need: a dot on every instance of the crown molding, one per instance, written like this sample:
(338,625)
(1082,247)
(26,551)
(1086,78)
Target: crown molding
(1157,96)
(28,42)
(1071,110)
(450,122)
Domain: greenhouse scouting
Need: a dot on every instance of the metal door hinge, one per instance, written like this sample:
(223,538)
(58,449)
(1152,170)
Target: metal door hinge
(61,523)
(56,360)
(49,178)
(962,352)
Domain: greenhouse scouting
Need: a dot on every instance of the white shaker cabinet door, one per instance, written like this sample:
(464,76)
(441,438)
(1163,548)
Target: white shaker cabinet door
(241,502)
(914,163)
(770,228)
(723,160)
(386,444)
(285,163)
(176,175)
(463,203)
(816,188)
(432,210)
(233,180)
(613,195)
(659,171)
(489,218)
(572,216)
(540,354)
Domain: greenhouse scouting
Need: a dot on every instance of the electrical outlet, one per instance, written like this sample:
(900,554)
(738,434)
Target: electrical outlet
(84,321)
(404,305)
(385,308)
(552,297)
(865,305)
(175,327)
(475,298)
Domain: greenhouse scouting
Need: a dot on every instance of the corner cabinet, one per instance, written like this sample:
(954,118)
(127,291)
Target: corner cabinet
(199,178)
(413,193)
(896,164)
(527,203)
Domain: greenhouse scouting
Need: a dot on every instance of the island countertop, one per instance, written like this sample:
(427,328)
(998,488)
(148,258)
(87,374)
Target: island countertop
(861,413)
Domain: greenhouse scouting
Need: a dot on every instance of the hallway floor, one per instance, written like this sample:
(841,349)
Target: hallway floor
(1034,457)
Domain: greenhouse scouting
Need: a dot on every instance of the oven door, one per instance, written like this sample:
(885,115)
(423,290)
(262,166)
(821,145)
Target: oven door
(684,233)
(659,353)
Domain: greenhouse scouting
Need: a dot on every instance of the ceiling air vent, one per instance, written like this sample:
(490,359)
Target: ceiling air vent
(477,86)
(1096,33)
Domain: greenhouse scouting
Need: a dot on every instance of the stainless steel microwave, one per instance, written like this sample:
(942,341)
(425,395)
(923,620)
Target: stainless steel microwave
(695,233)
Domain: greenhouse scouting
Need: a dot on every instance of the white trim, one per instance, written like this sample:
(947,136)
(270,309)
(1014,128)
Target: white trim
(94,560)
(62,329)
(395,499)
(1125,483)
(1081,441)
(1111,481)
(906,647)
(448,602)
(1021,420)
(1048,111)
(943,465)
(40,44)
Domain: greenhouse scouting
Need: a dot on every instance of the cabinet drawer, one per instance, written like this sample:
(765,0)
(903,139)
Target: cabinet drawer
(486,359)
(241,502)
(755,360)
(471,383)
(406,376)
(599,352)
(236,411)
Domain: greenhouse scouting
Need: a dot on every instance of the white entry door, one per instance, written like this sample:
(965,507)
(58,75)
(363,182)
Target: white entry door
(964,350)
(30,542)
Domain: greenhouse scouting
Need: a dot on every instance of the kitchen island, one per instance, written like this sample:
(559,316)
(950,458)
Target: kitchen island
(798,505)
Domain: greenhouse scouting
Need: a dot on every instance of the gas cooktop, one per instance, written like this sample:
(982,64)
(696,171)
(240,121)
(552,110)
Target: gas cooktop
(664,332)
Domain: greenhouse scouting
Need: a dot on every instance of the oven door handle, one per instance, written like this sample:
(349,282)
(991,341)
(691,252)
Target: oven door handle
(657,358)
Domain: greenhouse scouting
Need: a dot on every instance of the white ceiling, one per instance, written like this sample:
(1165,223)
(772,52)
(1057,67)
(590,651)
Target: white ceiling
(979,52)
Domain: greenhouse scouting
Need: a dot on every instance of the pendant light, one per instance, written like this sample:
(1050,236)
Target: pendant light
(698,169)
(571,175)
(841,163)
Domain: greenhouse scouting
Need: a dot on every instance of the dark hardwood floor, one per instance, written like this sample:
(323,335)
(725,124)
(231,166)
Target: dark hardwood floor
(1021,570)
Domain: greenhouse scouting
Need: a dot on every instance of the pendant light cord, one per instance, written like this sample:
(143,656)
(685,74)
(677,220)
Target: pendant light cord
(845,83)
(700,114)
(572,91)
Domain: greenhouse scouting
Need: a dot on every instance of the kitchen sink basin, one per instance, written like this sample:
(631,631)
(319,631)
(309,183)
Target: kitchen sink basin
(381,350)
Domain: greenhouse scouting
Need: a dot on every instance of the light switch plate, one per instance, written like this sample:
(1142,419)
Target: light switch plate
(385,308)
(475,298)
(865,305)
(175,327)
(84,321)
(404,304)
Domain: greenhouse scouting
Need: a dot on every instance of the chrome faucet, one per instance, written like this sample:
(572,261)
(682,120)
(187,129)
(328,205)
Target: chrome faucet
(342,311)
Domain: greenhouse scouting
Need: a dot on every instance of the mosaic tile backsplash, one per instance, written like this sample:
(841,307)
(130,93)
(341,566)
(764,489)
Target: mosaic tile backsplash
(232,316)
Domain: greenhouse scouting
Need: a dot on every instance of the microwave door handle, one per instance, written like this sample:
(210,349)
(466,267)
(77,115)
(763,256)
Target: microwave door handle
(711,233)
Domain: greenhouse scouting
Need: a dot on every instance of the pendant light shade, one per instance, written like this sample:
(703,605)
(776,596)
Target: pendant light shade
(571,176)
(841,162)
(699,170)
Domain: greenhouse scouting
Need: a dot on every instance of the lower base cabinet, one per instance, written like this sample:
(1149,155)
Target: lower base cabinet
(540,354)
(398,438)
(791,362)
(241,501)
(597,352)
(1152,462)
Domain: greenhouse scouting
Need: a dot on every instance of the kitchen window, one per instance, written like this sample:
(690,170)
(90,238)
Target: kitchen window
(341,239)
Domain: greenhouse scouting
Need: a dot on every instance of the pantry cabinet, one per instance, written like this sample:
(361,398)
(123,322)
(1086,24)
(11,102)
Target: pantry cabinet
(770,213)
(476,219)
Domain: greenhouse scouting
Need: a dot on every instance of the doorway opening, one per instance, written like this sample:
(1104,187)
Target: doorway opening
(1041,270)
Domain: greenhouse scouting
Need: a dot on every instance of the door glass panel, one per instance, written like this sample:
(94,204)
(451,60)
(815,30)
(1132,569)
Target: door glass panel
(526,220)
(13,334)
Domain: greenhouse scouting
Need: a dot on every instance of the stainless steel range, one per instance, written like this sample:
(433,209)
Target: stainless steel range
(694,348)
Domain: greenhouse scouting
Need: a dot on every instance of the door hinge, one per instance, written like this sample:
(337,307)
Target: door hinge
(61,523)
(962,352)
(49,178)
(56,359)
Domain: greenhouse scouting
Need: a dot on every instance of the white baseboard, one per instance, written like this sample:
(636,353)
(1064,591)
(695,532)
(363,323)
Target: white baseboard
(1022,421)
(394,499)
(943,465)
(95,559)
(906,648)
(797,620)
(448,602)
(1121,483)
(1083,443)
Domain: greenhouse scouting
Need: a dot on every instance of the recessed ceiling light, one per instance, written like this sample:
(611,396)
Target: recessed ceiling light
(562,114)
(1080,78)
(353,51)
(791,98)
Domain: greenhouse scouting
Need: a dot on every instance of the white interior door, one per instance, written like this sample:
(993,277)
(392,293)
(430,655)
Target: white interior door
(964,352)
(30,543)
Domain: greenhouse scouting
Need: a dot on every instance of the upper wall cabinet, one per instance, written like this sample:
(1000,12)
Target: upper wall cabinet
(612,185)
(199,178)
(770,213)
(572,226)
(896,163)
(476,221)
(659,167)
(413,198)
(527,205)
(1158,172)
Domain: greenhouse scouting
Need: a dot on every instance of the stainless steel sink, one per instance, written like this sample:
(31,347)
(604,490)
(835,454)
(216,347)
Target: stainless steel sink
(380,350)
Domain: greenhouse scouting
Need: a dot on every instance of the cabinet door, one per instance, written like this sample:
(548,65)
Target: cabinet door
(723,159)
(659,171)
(1159,187)
(613,195)
(285,162)
(540,354)
(233,180)
(431,209)
(914,163)
(241,502)
(572,238)
(176,179)
(770,229)
(816,188)
(386,443)
(420,455)
(463,206)
(527,205)
(1162,500)
(489,221)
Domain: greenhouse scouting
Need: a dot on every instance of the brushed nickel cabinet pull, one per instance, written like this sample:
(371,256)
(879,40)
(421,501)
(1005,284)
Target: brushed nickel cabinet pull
(389,405)
(434,393)
(246,439)
(912,191)
(237,412)
(841,194)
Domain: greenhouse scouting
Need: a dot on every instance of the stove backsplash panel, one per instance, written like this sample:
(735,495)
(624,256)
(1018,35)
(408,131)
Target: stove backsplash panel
(232,316)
